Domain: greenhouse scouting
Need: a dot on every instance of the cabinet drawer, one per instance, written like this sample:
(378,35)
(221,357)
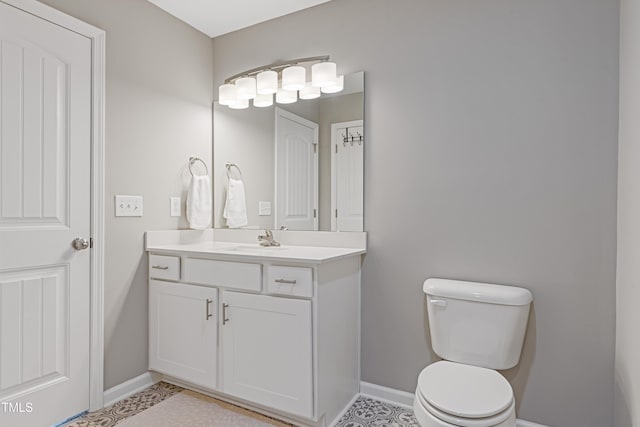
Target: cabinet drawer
(164,267)
(294,281)
(236,275)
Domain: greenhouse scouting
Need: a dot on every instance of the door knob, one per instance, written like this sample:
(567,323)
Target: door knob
(79,243)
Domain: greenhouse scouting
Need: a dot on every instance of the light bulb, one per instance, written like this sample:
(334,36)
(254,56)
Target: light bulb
(309,91)
(286,96)
(336,86)
(227,94)
(263,100)
(293,78)
(267,82)
(239,104)
(323,73)
(246,88)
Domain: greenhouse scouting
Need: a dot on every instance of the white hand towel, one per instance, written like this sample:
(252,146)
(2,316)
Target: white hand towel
(199,203)
(235,207)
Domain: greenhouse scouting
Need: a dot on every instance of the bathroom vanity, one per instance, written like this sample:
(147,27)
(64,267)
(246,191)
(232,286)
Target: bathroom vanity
(276,329)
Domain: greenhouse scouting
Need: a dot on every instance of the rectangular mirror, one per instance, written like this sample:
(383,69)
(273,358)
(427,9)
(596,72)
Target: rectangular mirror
(301,164)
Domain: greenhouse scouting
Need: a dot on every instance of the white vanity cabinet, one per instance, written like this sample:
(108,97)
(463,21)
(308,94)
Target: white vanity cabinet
(183,331)
(279,333)
(267,351)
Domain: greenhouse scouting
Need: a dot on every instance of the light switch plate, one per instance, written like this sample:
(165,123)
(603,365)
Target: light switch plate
(264,208)
(175,206)
(129,205)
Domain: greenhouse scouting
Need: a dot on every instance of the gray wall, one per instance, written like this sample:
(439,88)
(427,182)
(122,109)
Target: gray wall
(158,113)
(491,156)
(627,370)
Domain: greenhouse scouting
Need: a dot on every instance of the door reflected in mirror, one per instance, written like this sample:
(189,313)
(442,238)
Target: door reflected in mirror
(301,164)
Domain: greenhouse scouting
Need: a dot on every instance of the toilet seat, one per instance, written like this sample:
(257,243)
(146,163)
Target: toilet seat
(465,395)
(466,422)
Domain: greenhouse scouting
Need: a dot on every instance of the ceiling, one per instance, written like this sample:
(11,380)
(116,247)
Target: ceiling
(217,17)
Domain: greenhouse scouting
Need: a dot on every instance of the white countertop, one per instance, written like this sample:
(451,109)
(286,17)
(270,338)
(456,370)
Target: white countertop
(253,251)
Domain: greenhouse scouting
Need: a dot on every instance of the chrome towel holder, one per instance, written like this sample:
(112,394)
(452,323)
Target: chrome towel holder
(230,165)
(193,160)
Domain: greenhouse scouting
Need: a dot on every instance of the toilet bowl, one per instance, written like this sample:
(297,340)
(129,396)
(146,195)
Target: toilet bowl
(453,394)
(476,328)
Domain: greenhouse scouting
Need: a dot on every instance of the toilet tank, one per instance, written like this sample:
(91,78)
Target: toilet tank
(478,324)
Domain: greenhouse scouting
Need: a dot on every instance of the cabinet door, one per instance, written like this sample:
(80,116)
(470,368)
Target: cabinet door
(267,351)
(183,331)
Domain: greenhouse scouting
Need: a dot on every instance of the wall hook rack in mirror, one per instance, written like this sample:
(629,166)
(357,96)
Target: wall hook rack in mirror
(351,139)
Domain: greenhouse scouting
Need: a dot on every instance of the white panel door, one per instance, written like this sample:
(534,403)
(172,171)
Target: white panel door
(296,172)
(347,176)
(266,347)
(45,113)
(183,331)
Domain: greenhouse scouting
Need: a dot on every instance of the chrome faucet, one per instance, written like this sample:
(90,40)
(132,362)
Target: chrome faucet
(267,239)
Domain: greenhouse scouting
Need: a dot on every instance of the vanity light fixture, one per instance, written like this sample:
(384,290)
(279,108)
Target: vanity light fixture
(310,76)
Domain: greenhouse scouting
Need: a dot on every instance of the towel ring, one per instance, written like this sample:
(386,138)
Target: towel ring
(230,165)
(192,160)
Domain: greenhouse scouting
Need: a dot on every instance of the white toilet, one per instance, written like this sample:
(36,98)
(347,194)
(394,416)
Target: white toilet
(476,328)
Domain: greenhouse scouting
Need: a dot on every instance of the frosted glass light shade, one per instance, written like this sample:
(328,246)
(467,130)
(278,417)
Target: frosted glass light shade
(267,82)
(239,104)
(284,96)
(263,100)
(227,94)
(336,86)
(293,78)
(309,92)
(246,88)
(323,74)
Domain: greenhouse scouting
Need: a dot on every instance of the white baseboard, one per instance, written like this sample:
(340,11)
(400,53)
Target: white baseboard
(405,399)
(386,394)
(127,388)
(523,423)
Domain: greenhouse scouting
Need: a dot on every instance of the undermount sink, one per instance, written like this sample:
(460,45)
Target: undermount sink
(256,247)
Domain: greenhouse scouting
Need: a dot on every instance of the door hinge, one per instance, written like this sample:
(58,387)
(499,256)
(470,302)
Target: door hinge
(336,213)
(314,213)
(336,148)
(91,242)
(315,148)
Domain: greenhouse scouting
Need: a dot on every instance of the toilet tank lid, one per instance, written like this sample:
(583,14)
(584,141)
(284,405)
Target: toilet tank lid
(474,291)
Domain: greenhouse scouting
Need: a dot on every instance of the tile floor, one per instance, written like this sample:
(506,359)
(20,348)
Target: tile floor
(365,411)
(132,405)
